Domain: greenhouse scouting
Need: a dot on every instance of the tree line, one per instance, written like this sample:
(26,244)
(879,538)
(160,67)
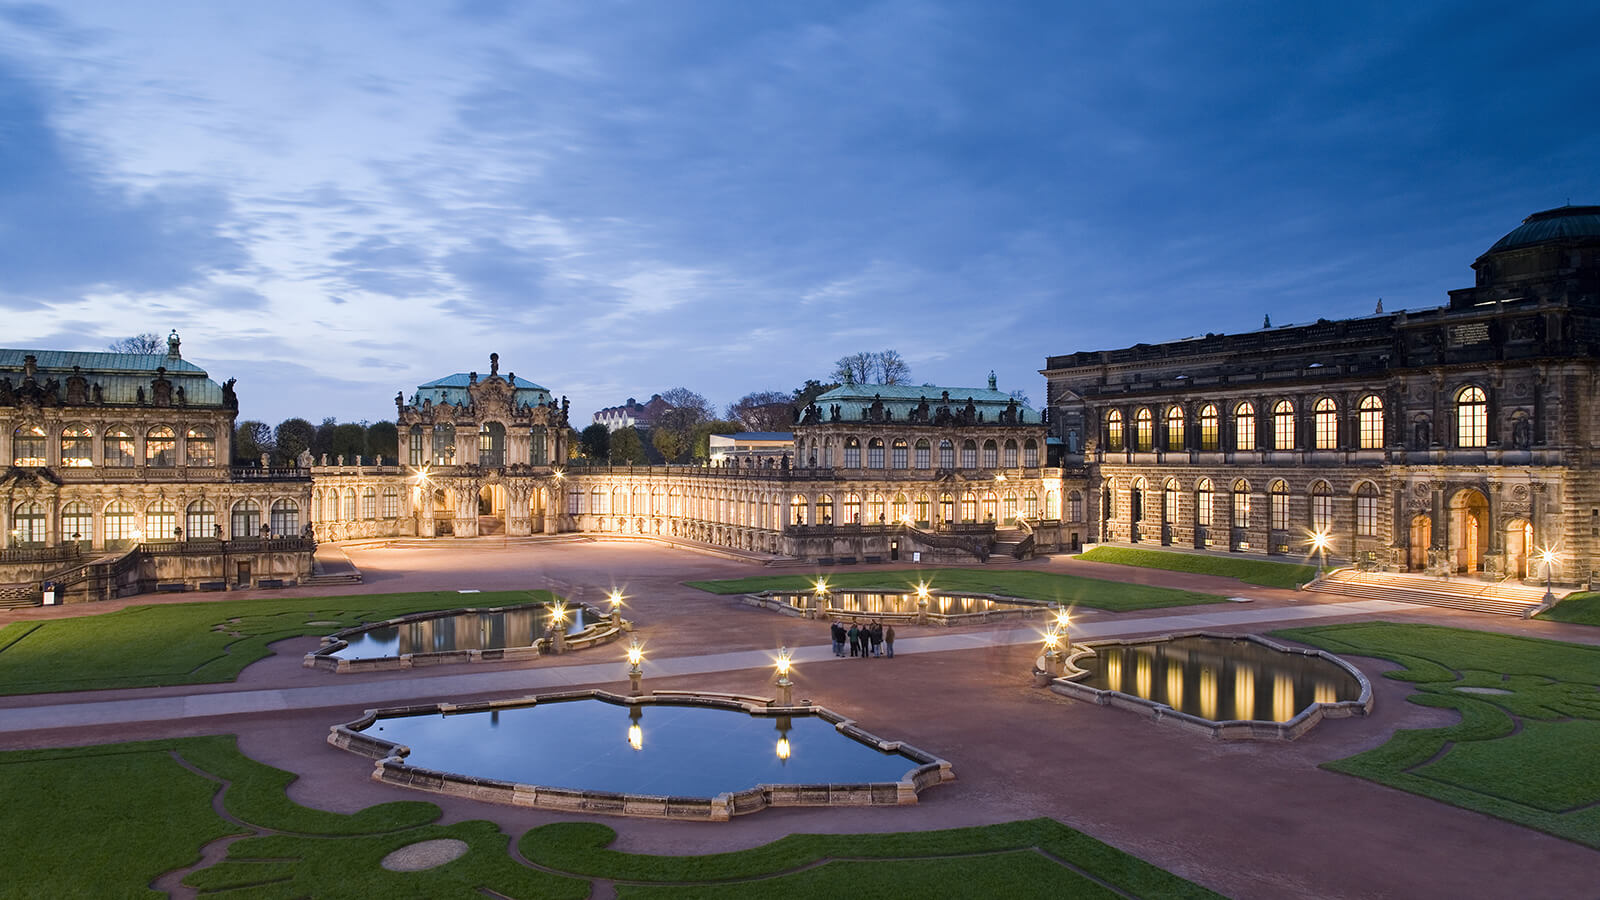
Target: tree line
(284,444)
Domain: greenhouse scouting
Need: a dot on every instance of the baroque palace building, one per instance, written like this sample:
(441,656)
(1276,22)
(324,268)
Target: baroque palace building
(1457,439)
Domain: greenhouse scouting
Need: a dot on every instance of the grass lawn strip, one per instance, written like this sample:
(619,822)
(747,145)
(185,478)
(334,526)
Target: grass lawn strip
(1525,755)
(194,643)
(1059,862)
(1577,609)
(1072,590)
(1250,571)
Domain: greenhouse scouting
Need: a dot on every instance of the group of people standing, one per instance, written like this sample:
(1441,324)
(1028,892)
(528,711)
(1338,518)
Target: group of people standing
(870,639)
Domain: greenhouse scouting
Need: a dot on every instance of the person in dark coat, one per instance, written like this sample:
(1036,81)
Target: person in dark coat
(888,640)
(837,631)
(855,640)
(875,634)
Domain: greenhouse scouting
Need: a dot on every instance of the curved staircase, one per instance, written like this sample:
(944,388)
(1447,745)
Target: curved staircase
(1506,598)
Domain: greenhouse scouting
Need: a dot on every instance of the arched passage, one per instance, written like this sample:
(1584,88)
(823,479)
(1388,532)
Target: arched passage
(491,509)
(1421,540)
(1519,546)
(1469,530)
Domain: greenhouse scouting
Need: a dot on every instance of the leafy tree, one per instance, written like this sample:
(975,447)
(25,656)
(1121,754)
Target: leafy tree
(626,447)
(763,411)
(883,367)
(811,390)
(672,445)
(322,439)
(250,440)
(293,436)
(146,343)
(383,439)
(688,411)
(702,435)
(349,441)
(595,442)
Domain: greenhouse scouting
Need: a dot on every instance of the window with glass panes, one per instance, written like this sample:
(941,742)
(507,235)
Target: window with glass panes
(199,447)
(947,507)
(285,520)
(1472,418)
(77,518)
(121,522)
(947,455)
(1367,510)
(245,521)
(825,509)
(897,456)
(391,503)
(200,520)
(900,508)
(1244,426)
(348,509)
(369,503)
(1114,431)
(922,509)
(160,521)
(852,453)
(1144,434)
(1321,507)
(416,455)
(1074,507)
(1369,422)
(1175,428)
(77,446)
(923,454)
(1241,504)
(969,455)
(1283,426)
(875,454)
(1030,454)
(852,509)
(991,455)
(27,522)
(1208,427)
(28,446)
(120,447)
(1325,424)
(1202,502)
(1011,454)
(1280,506)
(969,507)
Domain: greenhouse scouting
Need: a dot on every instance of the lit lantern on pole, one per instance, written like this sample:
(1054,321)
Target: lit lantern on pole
(784,684)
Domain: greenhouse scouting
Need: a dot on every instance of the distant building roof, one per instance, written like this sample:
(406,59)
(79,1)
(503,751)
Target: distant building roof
(760,436)
(453,389)
(118,375)
(900,399)
(1561,223)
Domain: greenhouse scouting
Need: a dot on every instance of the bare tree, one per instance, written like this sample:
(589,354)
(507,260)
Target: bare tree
(891,368)
(695,406)
(763,411)
(883,367)
(146,343)
(1021,396)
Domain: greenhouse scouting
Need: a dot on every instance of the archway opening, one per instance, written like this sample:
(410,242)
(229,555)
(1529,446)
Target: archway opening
(1421,540)
(1469,531)
(491,509)
(1519,546)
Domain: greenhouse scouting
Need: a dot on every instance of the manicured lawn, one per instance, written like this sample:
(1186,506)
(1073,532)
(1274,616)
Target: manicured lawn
(106,821)
(1251,571)
(1048,586)
(1579,609)
(1523,751)
(194,643)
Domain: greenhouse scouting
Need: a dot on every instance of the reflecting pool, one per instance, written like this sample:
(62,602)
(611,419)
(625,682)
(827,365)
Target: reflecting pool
(486,630)
(1217,678)
(652,748)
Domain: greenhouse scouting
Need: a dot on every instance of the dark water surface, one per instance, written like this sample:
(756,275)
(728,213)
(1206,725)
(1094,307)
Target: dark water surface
(464,631)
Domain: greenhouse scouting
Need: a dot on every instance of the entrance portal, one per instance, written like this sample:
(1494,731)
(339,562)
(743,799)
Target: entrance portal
(491,509)
(1519,545)
(1469,532)
(1421,540)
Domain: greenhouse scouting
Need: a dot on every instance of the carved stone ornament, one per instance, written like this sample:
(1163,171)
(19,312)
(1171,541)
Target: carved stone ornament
(1423,489)
(1520,492)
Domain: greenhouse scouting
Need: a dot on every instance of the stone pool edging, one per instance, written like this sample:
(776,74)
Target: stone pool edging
(1225,730)
(1025,609)
(390,766)
(601,631)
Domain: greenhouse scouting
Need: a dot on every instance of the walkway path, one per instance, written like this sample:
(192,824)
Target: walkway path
(94,713)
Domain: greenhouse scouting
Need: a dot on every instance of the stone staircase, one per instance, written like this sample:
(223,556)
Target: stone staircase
(19,596)
(1508,598)
(1011,544)
(489,526)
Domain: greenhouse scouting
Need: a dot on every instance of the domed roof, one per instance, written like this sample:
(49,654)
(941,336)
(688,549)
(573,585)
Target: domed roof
(1561,223)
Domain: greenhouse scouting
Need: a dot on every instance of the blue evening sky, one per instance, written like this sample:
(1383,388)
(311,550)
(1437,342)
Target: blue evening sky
(334,201)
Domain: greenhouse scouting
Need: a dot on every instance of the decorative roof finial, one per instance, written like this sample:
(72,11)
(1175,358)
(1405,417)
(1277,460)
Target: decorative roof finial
(993,385)
(172,344)
(1266,321)
(1379,310)
(494,364)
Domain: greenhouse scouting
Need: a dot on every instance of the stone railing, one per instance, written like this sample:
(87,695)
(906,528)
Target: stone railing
(270,473)
(19,555)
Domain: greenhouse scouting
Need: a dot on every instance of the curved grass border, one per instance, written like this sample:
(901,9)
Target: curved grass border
(602,630)
(1069,685)
(1019,607)
(391,767)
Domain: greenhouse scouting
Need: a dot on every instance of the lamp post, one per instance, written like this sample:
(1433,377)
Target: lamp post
(785,686)
(1319,543)
(1063,620)
(616,608)
(820,591)
(635,674)
(1052,653)
(922,603)
(558,627)
(1548,557)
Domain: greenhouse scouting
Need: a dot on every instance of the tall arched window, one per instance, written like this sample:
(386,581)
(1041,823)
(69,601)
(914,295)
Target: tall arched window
(875,453)
(1279,495)
(1030,503)
(199,447)
(1241,504)
(1325,424)
(1369,422)
(1144,432)
(991,455)
(825,509)
(122,524)
(160,521)
(77,523)
(416,454)
(852,453)
(600,501)
(990,507)
(491,445)
(1209,430)
(897,454)
(924,455)
(1472,418)
(538,446)
(969,507)
(27,446)
(875,513)
(947,507)
(348,508)
(947,455)
(1283,426)
(1321,508)
(27,523)
(77,446)
(1074,506)
(200,520)
(161,447)
(1244,426)
(900,508)
(1114,431)
(1175,436)
(369,503)
(1366,509)
(120,447)
(1010,457)
(391,503)
(330,504)
(444,445)
(1202,502)
(285,518)
(923,510)
(1030,454)
(797,509)
(245,521)
(1169,501)
(852,508)
(969,454)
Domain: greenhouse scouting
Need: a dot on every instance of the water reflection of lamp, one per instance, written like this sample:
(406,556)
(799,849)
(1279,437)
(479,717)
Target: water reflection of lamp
(784,684)
(783,739)
(635,733)
(635,657)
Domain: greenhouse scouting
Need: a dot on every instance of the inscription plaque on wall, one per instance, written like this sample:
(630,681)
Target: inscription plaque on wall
(1469,333)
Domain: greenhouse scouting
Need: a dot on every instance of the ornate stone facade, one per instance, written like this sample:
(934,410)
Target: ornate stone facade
(1454,439)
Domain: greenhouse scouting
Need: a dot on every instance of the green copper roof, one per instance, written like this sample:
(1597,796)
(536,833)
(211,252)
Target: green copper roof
(119,375)
(1561,223)
(900,399)
(453,389)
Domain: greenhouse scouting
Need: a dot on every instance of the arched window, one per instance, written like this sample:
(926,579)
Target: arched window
(990,507)
(391,502)
(348,509)
(444,445)
(852,453)
(1244,426)
(1108,503)
(285,518)
(969,507)
(77,446)
(1049,504)
(120,447)
(1144,434)
(852,508)
(1241,504)
(1011,454)
(1030,503)
(1321,508)
(1202,502)
(161,447)
(160,521)
(947,455)
(619,502)
(641,502)
(1209,433)
(825,509)
(369,503)
(122,524)
(1008,506)
(900,508)
(1030,454)
(77,523)
(200,520)
(675,499)
(199,447)
(1366,509)
(245,521)
(1114,431)
(1472,418)
(947,507)
(1283,426)
(416,454)
(1175,428)
(1369,422)
(491,445)
(1325,424)
(897,454)
(27,523)
(969,454)
(1279,494)
(1074,506)
(330,505)
(875,513)
(1169,501)
(599,501)
(797,509)
(922,509)
(538,446)
(875,453)
(991,455)
(27,446)
(924,455)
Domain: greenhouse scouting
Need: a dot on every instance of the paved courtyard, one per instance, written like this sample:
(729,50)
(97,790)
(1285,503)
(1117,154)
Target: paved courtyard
(1248,820)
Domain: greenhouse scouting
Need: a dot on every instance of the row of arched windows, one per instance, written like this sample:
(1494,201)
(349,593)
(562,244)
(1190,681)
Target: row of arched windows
(1320,504)
(875,508)
(159,521)
(30,446)
(900,454)
(491,446)
(333,505)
